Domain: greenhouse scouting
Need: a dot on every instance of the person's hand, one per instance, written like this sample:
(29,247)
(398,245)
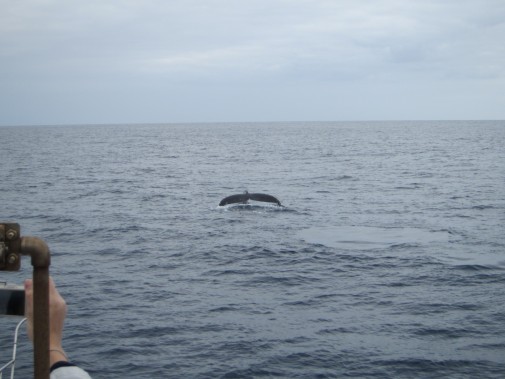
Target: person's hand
(57,313)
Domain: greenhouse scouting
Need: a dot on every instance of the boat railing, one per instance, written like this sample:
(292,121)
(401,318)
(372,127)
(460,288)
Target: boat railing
(12,363)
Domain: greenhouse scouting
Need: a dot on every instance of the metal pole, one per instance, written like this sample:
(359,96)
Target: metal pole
(41,259)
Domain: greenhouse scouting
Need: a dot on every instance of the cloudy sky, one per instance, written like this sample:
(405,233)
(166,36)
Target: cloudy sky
(142,61)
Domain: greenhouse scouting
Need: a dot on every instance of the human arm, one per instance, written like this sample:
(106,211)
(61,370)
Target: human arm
(58,359)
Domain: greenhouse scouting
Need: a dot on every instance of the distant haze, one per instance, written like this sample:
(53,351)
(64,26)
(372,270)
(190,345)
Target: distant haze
(143,61)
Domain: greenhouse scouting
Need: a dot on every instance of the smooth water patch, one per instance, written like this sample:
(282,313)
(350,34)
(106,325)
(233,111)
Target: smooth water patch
(366,237)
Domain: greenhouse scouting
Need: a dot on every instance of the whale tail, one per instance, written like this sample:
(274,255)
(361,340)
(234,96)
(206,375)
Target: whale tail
(244,197)
(233,199)
(264,197)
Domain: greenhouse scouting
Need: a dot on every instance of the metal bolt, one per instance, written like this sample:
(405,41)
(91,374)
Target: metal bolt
(12,259)
(11,234)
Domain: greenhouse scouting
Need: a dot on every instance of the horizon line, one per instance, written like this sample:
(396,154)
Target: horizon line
(245,122)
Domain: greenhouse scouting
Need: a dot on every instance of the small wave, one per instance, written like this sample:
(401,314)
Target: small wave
(344,177)
(474,267)
(450,333)
(411,367)
(399,284)
(483,207)
(491,346)
(224,309)
(340,330)
(157,196)
(440,308)
(230,272)
(410,186)
(253,372)
(278,281)
(301,303)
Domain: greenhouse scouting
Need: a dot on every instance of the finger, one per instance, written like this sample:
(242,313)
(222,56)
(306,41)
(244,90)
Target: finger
(54,294)
(28,284)
(28,293)
(29,307)
(52,287)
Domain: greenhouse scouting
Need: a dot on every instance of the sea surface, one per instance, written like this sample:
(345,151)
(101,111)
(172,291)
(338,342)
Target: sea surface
(386,260)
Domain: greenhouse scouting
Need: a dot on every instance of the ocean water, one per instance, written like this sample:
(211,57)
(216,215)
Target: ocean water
(386,261)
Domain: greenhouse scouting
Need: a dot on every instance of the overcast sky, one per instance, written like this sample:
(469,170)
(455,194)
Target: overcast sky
(143,61)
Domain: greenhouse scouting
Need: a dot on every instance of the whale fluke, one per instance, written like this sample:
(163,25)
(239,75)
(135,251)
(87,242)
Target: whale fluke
(233,199)
(244,197)
(264,197)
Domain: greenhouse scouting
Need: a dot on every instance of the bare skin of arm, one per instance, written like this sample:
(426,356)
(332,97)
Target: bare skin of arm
(57,313)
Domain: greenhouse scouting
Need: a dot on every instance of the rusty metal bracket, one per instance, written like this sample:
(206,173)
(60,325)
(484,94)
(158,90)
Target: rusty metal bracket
(12,247)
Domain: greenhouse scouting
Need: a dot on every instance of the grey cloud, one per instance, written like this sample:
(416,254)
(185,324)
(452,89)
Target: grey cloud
(152,47)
